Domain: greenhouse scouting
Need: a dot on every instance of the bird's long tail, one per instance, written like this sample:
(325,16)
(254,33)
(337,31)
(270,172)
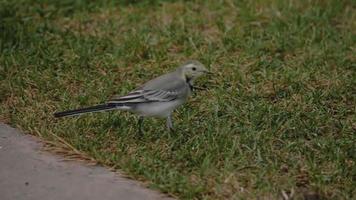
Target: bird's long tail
(97,108)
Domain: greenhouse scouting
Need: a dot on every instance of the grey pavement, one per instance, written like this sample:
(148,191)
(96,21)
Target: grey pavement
(28,173)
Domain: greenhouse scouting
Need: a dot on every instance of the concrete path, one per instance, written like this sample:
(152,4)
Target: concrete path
(27,173)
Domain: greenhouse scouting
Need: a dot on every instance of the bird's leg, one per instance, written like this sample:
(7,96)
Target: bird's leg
(140,124)
(169,122)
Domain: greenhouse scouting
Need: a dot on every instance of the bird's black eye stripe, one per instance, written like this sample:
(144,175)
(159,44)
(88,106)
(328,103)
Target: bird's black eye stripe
(193,68)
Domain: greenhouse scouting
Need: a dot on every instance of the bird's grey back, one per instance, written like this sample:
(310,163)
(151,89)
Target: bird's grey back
(168,82)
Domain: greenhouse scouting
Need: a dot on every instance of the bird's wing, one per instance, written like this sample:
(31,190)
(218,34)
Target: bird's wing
(165,88)
(151,95)
(145,96)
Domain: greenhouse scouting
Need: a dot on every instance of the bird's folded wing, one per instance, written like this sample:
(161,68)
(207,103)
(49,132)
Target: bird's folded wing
(145,96)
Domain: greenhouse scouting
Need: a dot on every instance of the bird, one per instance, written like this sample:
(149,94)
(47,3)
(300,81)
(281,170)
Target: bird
(158,97)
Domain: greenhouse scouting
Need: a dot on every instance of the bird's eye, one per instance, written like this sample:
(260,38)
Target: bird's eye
(194,68)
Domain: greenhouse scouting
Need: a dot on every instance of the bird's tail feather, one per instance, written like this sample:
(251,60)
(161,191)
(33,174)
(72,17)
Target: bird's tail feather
(97,108)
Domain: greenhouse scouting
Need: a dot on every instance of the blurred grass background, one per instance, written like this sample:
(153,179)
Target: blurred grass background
(278,120)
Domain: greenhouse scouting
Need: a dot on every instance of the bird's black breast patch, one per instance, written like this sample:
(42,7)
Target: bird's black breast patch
(190,84)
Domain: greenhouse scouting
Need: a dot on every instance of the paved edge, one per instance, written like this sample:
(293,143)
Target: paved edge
(27,173)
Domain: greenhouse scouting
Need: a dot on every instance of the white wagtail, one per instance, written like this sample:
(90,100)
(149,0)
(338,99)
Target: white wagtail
(156,98)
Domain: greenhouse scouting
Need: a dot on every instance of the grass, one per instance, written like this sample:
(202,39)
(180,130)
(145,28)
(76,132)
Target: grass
(278,120)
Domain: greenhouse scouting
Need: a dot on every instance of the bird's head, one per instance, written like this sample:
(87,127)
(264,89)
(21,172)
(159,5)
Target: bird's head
(193,69)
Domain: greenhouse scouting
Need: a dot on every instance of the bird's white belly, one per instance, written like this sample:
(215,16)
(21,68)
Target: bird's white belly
(157,109)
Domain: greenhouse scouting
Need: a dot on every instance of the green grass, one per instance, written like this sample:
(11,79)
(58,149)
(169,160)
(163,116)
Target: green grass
(279,117)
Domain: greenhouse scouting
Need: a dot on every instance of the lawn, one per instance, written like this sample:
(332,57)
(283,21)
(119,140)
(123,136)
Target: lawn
(277,120)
